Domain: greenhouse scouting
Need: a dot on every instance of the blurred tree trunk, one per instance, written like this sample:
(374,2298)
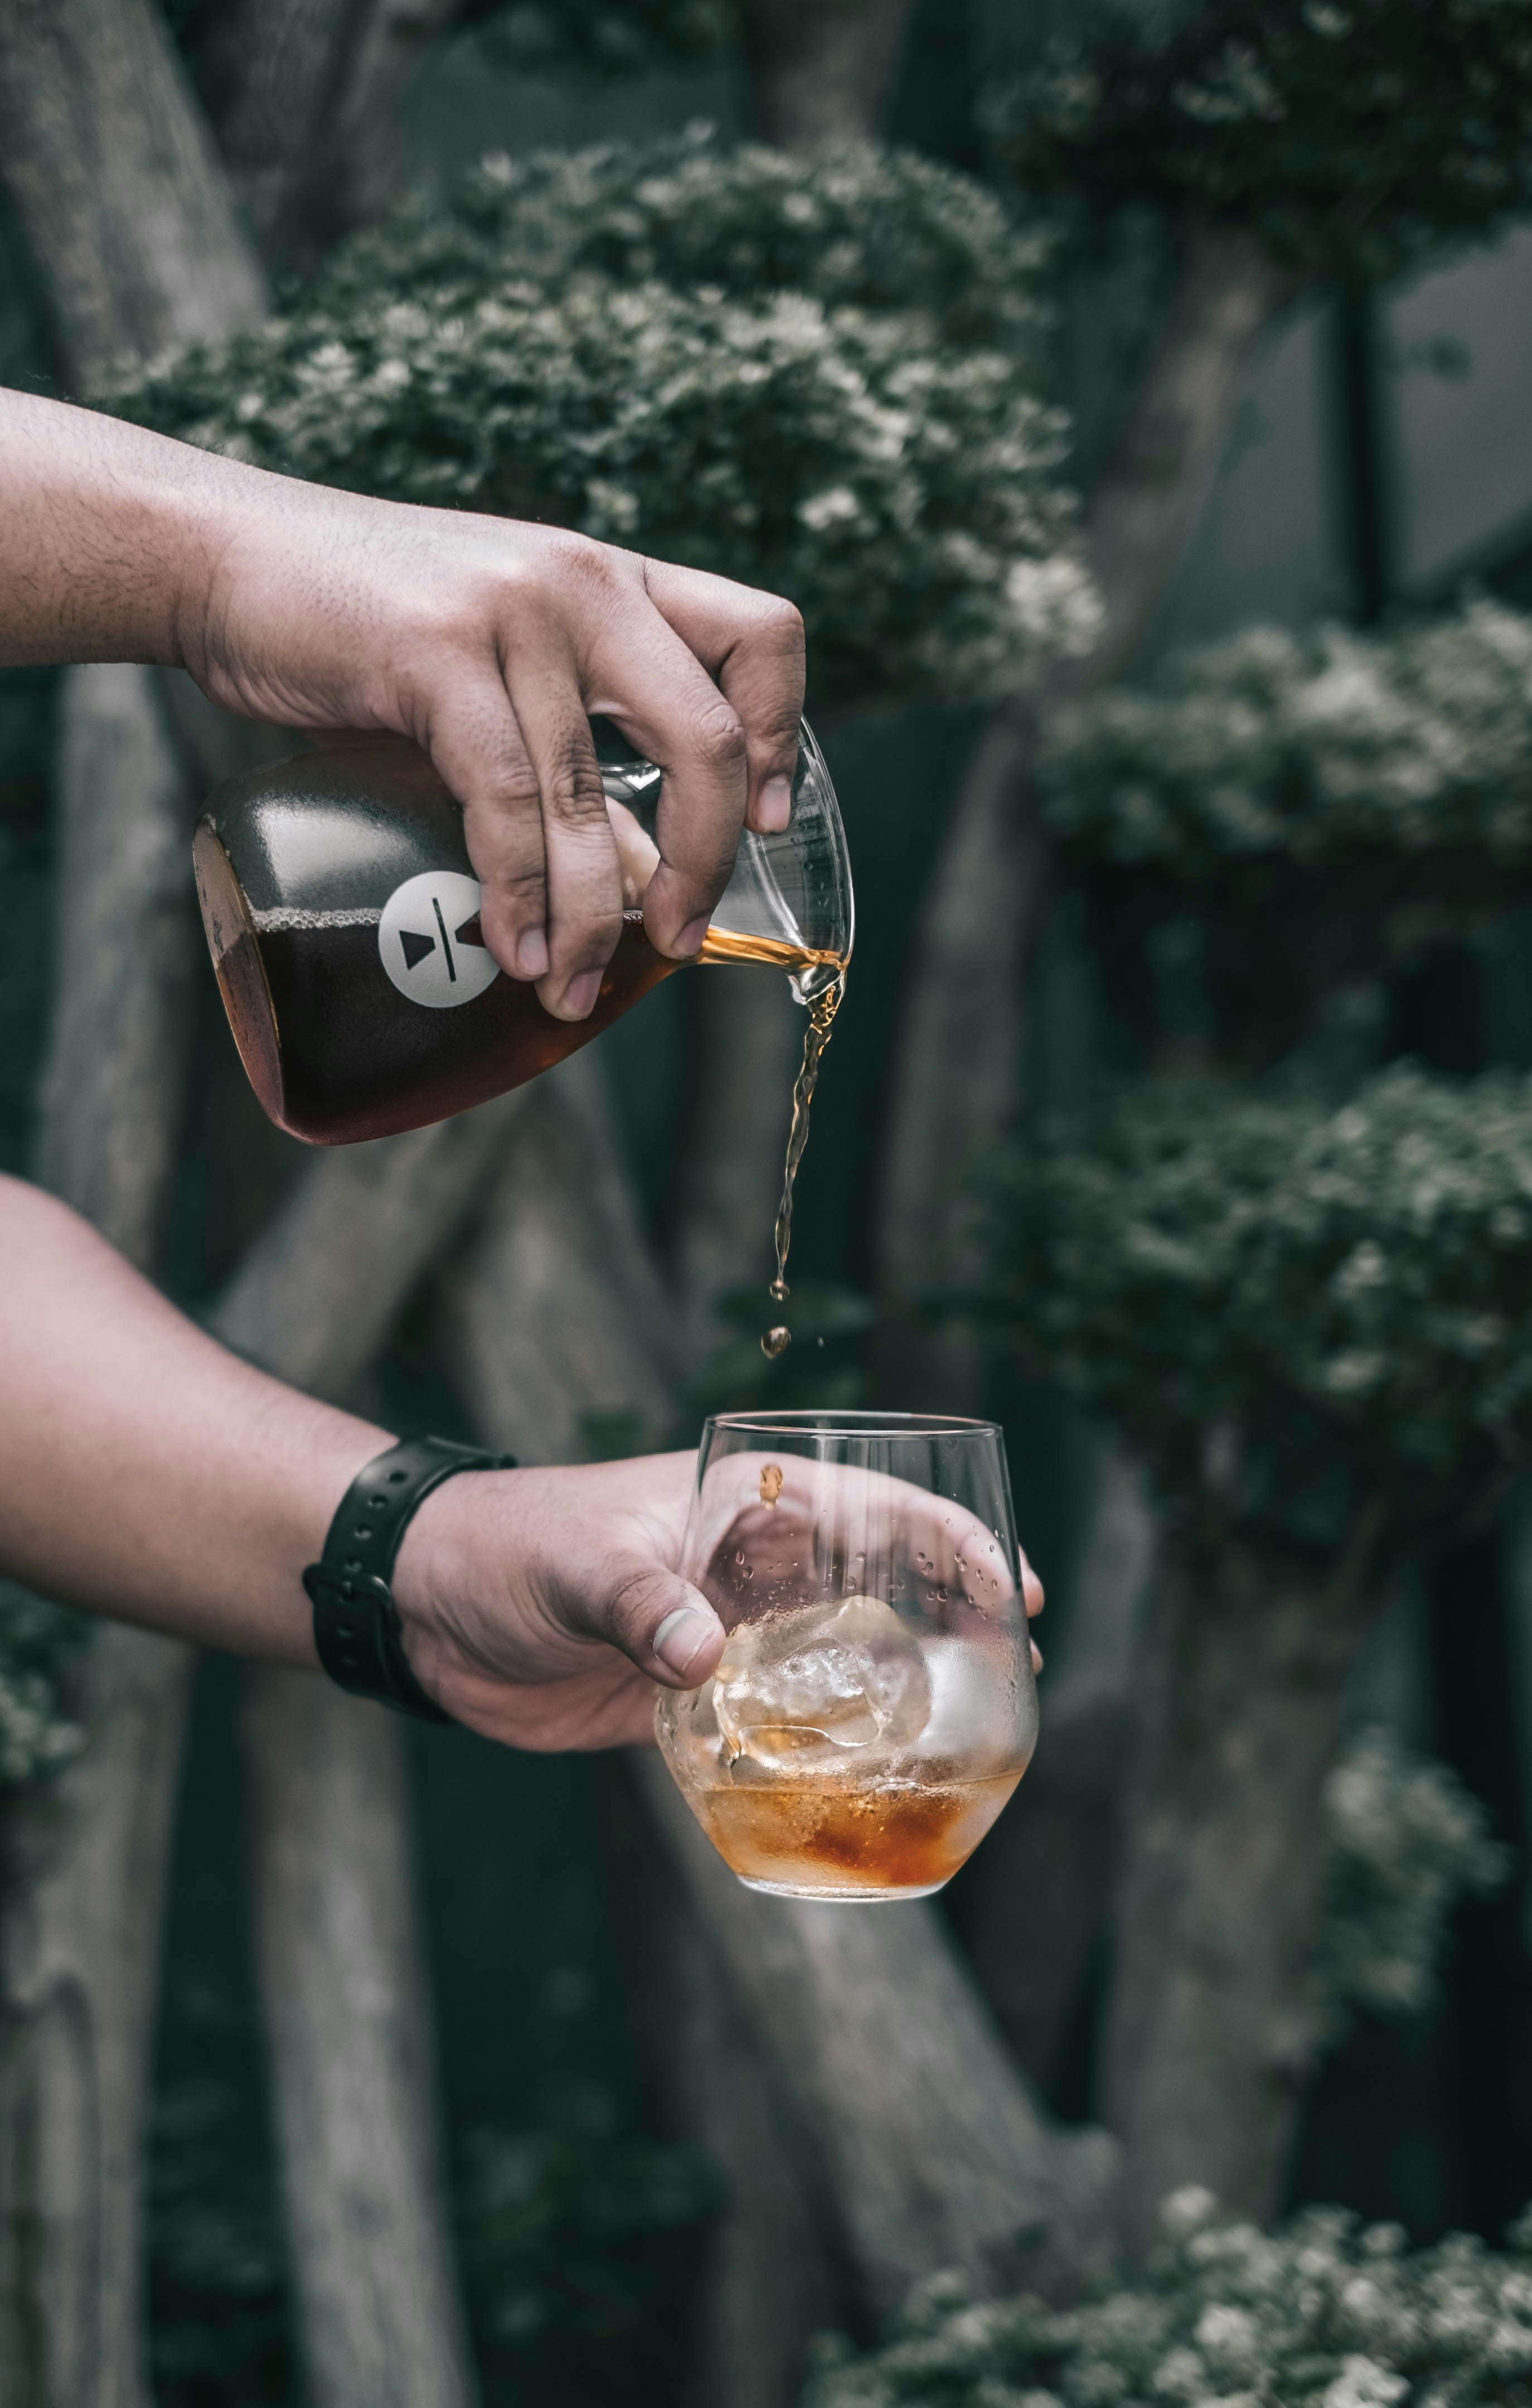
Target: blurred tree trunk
(86,1852)
(960,1072)
(304,98)
(1211,2025)
(555,1318)
(351,2030)
(115,182)
(777,2272)
(968,1003)
(980,923)
(129,220)
(821,72)
(341,1954)
(130,230)
(933,2152)
(923,2137)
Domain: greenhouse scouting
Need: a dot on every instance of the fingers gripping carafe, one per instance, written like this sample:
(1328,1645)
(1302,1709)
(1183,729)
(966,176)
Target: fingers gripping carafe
(342,914)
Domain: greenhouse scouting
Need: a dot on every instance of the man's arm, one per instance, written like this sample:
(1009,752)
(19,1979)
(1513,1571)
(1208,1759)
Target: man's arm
(488,642)
(149,1474)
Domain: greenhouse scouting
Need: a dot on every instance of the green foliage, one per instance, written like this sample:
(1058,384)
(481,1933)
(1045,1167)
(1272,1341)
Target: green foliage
(1284,1305)
(575,2239)
(218,2310)
(603,39)
(1350,137)
(1324,2313)
(1297,813)
(1404,1843)
(1395,765)
(817,375)
(38,1644)
(576,2244)
(874,230)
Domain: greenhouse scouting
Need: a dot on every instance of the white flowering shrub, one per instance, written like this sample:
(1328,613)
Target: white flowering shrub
(1324,2313)
(1395,765)
(37,1641)
(1283,819)
(1404,1843)
(816,375)
(1287,1306)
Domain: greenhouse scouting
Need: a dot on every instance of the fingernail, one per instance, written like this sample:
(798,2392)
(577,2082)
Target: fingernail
(774,804)
(681,1636)
(532,953)
(579,995)
(690,940)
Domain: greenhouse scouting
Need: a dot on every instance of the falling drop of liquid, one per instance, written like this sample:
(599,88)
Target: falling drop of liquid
(775,1342)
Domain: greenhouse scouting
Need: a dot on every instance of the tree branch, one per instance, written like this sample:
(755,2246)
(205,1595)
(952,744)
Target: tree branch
(821,71)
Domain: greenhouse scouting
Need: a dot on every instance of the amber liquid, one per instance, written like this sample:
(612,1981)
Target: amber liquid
(828,1839)
(336,1054)
(821,1013)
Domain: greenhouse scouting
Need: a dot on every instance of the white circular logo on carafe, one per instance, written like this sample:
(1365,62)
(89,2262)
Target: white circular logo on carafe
(431,944)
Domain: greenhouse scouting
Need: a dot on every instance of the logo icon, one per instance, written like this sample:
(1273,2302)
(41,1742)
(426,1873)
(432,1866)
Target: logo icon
(430,942)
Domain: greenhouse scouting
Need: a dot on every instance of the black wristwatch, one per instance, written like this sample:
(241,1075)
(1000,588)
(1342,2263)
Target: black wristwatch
(356,1622)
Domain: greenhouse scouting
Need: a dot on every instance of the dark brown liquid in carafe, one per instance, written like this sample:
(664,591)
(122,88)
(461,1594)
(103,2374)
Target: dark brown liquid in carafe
(336,1054)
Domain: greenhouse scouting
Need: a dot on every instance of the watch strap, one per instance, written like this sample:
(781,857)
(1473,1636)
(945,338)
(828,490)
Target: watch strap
(357,1632)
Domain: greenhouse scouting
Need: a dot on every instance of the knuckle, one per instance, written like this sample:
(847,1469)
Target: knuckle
(577,558)
(718,737)
(524,886)
(781,622)
(630,1611)
(571,787)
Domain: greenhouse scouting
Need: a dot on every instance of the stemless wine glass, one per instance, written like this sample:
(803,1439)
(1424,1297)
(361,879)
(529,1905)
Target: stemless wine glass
(874,1707)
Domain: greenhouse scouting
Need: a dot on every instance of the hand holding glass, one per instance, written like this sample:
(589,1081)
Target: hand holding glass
(874,1707)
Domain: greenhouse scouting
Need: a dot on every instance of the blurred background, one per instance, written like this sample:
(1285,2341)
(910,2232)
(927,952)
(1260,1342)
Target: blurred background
(1137,407)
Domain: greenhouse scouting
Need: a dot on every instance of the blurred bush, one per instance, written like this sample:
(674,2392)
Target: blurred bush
(40,1647)
(1394,766)
(1285,1306)
(1350,137)
(1404,1843)
(1323,2314)
(822,376)
(577,2243)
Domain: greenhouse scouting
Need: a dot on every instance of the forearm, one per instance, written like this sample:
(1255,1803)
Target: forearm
(143,1471)
(107,535)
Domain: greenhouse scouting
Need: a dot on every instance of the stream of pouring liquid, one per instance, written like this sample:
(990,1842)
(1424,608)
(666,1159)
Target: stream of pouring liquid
(719,945)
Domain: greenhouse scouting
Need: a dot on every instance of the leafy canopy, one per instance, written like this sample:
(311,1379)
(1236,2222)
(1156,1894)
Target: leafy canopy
(1285,1305)
(1390,765)
(819,376)
(1349,137)
(1324,2313)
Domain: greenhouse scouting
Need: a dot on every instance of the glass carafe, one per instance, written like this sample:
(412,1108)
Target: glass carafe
(342,915)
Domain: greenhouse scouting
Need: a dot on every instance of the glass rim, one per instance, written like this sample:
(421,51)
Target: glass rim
(822,1421)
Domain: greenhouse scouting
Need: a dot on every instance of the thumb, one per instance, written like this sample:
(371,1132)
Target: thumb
(666,1627)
